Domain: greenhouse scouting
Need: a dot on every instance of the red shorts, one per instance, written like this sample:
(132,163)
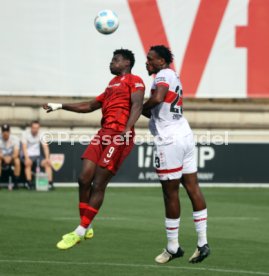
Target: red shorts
(107,150)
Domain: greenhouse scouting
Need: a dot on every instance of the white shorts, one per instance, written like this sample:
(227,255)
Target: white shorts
(175,157)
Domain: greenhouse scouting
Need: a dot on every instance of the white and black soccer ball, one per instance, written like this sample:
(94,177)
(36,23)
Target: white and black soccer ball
(106,22)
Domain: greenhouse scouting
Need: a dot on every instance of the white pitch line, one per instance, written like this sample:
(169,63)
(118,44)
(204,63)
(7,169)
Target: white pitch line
(122,218)
(234,218)
(139,266)
(157,184)
(97,218)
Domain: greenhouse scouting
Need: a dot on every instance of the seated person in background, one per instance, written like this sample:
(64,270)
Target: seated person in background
(33,155)
(9,153)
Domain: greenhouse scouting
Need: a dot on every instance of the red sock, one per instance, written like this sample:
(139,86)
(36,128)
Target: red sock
(88,216)
(82,207)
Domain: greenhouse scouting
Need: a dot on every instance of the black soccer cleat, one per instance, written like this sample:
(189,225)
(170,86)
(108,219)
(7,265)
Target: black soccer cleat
(15,186)
(51,187)
(29,186)
(166,256)
(200,254)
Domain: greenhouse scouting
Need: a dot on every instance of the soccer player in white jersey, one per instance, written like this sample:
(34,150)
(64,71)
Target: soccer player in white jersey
(174,154)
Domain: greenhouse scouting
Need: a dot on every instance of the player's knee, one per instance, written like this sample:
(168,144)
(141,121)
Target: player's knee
(8,161)
(28,164)
(170,195)
(47,167)
(28,167)
(83,181)
(98,187)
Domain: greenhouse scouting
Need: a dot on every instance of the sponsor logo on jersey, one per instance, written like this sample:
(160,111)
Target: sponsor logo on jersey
(114,85)
(57,161)
(160,79)
(139,84)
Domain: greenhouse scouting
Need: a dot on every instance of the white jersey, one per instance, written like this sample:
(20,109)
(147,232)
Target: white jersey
(166,118)
(7,147)
(32,142)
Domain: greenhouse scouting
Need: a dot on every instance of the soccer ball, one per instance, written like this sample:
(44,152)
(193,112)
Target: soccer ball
(106,22)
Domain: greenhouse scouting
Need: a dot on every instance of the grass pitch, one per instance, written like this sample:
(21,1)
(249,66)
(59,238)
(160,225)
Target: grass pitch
(129,233)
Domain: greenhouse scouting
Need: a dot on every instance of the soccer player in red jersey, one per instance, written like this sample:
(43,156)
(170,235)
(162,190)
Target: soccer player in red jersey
(121,105)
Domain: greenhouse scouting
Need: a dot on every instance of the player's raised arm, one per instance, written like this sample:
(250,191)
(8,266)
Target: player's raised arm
(155,99)
(84,107)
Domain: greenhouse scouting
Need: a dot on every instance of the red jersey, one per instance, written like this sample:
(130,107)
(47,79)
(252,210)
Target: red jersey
(116,101)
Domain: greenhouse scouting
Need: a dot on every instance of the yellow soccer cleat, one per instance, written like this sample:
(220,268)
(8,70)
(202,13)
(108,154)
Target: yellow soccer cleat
(89,234)
(69,240)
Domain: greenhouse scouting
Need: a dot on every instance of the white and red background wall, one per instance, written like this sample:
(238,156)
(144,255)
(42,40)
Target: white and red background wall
(51,48)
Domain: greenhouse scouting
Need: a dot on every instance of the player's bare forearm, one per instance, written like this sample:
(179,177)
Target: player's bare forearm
(157,98)
(150,103)
(84,107)
(136,108)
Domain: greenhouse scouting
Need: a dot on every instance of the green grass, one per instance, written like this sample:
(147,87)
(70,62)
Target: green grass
(129,233)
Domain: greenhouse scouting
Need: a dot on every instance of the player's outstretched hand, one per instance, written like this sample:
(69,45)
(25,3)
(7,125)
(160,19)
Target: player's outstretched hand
(52,106)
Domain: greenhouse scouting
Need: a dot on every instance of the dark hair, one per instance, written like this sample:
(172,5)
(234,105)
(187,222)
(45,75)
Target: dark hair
(164,52)
(35,122)
(127,54)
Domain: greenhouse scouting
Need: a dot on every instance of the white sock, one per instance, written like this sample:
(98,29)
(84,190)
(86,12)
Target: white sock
(80,230)
(89,227)
(200,221)
(172,227)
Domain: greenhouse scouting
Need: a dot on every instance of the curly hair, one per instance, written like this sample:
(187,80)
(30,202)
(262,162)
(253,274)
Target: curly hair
(164,52)
(127,54)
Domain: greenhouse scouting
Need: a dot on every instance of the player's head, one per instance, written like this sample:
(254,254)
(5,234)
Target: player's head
(158,57)
(122,62)
(5,131)
(35,125)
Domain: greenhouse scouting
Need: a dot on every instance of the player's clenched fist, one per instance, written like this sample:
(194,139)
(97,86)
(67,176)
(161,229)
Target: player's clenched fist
(52,106)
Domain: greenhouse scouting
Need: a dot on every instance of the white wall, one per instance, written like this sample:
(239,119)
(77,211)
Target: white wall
(52,48)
